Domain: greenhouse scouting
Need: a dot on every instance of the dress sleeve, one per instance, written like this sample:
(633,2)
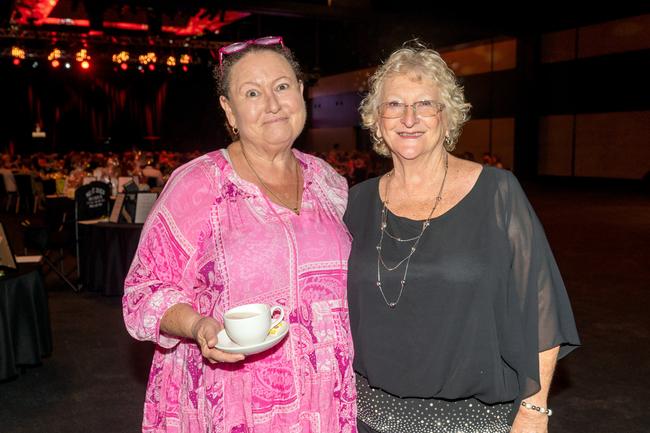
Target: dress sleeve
(542,303)
(163,270)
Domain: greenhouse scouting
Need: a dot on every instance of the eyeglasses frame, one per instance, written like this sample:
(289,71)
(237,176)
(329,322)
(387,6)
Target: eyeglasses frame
(439,105)
(237,47)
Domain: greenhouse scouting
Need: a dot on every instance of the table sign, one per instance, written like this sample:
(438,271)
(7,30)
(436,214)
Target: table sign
(117,209)
(144,203)
(7,259)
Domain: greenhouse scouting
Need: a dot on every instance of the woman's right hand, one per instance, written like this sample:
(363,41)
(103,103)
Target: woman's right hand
(204,332)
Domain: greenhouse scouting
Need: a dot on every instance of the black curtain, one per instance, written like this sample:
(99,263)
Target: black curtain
(102,109)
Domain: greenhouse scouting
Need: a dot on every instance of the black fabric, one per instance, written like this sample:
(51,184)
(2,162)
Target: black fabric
(54,231)
(362,427)
(25,189)
(483,296)
(92,201)
(106,251)
(49,186)
(25,334)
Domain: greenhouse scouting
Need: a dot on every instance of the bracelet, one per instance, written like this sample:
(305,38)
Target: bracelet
(544,410)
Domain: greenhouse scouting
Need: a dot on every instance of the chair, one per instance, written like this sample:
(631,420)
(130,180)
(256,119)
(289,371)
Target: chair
(3,192)
(7,180)
(152,182)
(53,234)
(26,194)
(91,201)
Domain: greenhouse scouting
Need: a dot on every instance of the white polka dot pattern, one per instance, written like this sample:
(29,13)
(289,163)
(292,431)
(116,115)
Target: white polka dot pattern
(387,413)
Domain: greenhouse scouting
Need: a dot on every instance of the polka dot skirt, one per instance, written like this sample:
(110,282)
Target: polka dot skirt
(386,413)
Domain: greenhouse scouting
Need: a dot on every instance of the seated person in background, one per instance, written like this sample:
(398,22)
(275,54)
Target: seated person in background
(7,174)
(152,170)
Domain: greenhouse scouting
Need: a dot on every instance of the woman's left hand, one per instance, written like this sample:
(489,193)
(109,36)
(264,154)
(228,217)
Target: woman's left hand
(529,421)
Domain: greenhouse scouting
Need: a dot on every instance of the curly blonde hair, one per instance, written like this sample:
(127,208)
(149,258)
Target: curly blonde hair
(415,58)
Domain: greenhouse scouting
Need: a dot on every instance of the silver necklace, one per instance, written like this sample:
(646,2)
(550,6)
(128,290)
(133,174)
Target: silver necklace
(295,209)
(383,228)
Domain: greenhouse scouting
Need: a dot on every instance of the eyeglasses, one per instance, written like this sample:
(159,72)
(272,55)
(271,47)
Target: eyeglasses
(240,46)
(395,110)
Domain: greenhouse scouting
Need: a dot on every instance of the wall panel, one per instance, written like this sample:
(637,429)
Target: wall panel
(613,145)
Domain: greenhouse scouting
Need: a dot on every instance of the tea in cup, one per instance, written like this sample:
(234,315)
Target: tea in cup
(250,324)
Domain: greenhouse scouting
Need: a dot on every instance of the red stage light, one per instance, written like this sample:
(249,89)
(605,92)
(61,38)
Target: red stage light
(16,62)
(152,67)
(85,64)
(184,68)
(124,66)
(55,63)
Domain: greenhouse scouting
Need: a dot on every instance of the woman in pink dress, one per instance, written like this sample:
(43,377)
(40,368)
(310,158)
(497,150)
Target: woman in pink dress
(257,222)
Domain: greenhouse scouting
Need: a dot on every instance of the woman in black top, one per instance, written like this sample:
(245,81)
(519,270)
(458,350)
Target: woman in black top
(457,308)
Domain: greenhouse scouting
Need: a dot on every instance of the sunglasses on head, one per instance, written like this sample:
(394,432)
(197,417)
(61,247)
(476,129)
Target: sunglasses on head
(240,46)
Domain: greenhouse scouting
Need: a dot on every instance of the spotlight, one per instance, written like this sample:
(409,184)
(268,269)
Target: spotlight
(171,61)
(145,59)
(55,63)
(35,64)
(121,57)
(54,55)
(82,55)
(186,59)
(18,53)
(67,65)
(152,67)
(16,61)
(184,68)
(83,58)
(124,66)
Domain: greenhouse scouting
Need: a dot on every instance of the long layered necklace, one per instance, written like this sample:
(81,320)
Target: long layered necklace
(295,209)
(383,228)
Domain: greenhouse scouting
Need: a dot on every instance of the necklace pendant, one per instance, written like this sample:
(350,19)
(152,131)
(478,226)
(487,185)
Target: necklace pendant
(392,304)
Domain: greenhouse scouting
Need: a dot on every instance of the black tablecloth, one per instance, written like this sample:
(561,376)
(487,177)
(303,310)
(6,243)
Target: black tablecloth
(25,333)
(105,254)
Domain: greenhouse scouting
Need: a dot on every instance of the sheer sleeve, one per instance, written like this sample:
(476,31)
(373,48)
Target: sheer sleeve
(536,288)
(163,269)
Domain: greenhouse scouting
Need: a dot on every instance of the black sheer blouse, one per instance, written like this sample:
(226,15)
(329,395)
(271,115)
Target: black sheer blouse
(483,296)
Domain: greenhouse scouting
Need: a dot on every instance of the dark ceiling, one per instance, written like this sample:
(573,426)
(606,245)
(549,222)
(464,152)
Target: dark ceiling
(327,36)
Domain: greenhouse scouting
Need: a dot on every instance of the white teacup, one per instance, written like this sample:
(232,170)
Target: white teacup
(250,324)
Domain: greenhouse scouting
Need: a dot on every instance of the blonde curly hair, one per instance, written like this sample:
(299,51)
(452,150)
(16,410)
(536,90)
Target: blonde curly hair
(415,58)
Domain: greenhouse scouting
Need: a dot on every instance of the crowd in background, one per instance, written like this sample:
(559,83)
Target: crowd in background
(357,166)
(154,168)
(99,165)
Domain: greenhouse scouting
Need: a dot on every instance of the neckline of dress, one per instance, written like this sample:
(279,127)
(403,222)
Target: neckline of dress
(449,211)
(251,188)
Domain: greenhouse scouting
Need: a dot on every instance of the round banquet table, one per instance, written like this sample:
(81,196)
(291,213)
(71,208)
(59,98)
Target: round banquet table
(25,332)
(106,251)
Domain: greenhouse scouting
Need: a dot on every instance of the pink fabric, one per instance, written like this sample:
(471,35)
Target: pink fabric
(215,242)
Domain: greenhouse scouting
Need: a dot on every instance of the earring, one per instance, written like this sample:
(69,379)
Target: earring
(235,130)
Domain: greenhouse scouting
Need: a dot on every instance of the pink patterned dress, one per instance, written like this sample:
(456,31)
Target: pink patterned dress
(214,241)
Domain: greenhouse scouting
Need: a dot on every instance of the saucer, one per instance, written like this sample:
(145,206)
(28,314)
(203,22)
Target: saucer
(276,335)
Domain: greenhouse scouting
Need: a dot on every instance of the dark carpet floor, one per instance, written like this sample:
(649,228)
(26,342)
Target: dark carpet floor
(95,379)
